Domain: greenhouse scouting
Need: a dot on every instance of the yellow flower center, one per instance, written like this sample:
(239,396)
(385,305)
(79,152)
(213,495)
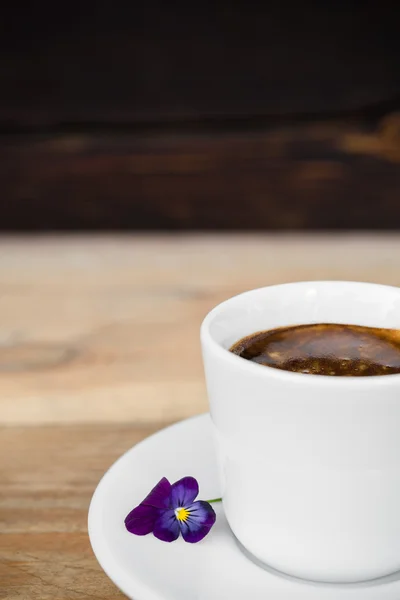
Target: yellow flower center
(182,514)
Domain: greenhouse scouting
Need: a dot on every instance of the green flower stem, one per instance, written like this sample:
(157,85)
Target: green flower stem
(214,500)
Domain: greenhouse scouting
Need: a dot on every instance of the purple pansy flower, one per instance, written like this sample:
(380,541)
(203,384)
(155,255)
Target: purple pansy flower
(170,510)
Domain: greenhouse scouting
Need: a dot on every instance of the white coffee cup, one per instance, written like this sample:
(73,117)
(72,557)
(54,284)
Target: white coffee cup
(309,464)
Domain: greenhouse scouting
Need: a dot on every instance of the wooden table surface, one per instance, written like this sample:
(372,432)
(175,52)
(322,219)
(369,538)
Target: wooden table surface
(99,348)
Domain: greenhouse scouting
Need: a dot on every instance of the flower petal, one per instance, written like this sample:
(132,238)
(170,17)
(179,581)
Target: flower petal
(166,527)
(199,522)
(159,496)
(141,519)
(184,491)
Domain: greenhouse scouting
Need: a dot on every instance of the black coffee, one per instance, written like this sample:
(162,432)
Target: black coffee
(325,349)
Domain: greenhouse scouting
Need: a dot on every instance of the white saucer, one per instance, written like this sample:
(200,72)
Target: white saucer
(145,568)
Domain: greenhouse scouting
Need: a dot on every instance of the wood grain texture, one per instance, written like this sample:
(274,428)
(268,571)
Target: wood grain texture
(106,329)
(98,349)
(46,483)
(302,174)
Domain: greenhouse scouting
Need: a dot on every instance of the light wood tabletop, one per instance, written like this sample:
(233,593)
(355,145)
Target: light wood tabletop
(99,348)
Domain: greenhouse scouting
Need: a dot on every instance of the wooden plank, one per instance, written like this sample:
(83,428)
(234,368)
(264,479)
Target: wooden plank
(98,349)
(332,174)
(133,62)
(106,329)
(46,485)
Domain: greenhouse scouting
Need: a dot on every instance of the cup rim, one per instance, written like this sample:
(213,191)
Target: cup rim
(289,376)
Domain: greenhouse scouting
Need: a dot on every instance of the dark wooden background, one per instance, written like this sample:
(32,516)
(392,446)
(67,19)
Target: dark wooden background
(170,115)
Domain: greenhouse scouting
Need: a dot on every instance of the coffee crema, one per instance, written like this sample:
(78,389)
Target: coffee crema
(325,349)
